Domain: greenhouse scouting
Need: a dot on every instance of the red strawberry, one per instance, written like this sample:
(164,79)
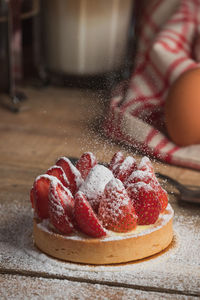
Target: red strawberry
(163,197)
(141,176)
(72,173)
(86,218)
(94,185)
(149,178)
(116,160)
(58,173)
(61,207)
(146,202)
(86,162)
(125,168)
(116,211)
(146,165)
(40,195)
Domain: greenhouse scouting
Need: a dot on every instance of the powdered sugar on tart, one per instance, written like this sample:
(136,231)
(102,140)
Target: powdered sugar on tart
(101,215)
(164,218)
(94,185)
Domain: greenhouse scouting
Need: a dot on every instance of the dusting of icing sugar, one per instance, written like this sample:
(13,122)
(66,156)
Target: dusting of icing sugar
(142,230)
(118,156)
(92,157)
(75,171)
(59,202)
(54,184)
(144,161)
(94,185)
(56,208)
(63,174)
(117,199)
(116,161)
(17,251)
(114,183)
(142,175)
(50,177)
(138,185)
(127,163)
(111,235)
(50,288)
(46,226)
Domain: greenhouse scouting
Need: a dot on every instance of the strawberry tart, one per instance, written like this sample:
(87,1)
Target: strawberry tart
(95,214)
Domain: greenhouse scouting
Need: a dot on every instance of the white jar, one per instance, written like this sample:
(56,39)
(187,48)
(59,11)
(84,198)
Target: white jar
(86,37)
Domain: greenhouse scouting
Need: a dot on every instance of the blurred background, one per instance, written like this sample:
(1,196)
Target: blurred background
(81,43)
(141,47)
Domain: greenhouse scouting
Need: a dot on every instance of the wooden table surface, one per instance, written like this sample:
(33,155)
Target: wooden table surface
(59,122)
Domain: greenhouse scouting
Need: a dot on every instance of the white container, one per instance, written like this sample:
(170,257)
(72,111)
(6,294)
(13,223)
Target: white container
(86,37)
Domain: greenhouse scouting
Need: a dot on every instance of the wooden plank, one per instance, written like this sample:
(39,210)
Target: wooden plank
(60,122)
(23,287)
(177,269)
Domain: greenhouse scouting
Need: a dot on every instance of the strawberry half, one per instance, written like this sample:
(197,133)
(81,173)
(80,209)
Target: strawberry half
(163,197)
(141,176)
(116,211)
(72,173)
(145,201)
(58,173)
(85,217)
(146,165)
(149,178)
(86,162)
(61,207)
(125,169)
(94,185)
(116,160)
(40,195)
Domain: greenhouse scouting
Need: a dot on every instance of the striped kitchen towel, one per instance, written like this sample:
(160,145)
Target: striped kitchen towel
(169,44)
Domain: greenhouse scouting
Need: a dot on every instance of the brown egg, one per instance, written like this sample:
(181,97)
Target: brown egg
(182,110)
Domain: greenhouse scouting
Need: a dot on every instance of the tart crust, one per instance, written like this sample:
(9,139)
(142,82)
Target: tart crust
(115,248)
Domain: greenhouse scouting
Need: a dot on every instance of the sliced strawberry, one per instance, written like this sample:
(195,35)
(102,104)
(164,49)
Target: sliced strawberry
(141,176)
(146,202)
(116,160)
(116,211)
(86,162)
(72,173)
(125,168)
(163,197)
(146,165)
(61,207)
(93,186)
(40,195)
(149,178)
(58,173)
(85,217)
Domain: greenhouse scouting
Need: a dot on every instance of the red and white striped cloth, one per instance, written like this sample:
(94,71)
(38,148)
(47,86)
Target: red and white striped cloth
(169,44)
